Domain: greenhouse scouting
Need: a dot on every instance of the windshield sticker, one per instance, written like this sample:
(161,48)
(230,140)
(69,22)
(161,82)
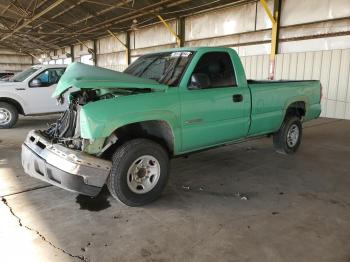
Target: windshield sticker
(176,54)
(186,54)
(182,54)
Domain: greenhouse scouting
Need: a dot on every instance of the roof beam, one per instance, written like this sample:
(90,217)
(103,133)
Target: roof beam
(118,5)
(136,12)
(128,16)
(35,17)
(2,31)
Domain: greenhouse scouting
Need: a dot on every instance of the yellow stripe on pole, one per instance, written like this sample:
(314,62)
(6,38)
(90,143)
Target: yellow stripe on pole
(273,19)
(169,29)
(114,35)
(268,12)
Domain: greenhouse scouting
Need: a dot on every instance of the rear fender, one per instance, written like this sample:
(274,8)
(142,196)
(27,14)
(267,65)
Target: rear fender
(291,101)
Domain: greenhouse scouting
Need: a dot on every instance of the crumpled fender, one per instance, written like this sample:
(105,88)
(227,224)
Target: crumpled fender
(103,117)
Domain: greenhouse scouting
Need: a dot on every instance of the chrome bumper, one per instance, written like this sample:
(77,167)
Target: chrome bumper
(63,167)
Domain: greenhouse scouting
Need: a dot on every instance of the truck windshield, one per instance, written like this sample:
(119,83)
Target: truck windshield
(23,75)
(166,68)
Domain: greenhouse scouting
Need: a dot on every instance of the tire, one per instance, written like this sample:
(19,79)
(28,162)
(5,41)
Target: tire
(8,115)
(127,168)
(288,138)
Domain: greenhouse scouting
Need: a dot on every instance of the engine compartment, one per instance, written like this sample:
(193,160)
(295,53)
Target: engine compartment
(66,129)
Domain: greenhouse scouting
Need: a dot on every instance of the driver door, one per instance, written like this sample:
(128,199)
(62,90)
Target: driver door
(40,89)
(218,112)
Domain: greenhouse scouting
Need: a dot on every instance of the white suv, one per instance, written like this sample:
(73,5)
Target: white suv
(29,93)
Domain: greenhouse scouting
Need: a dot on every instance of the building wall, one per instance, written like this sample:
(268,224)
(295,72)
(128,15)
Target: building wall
(331,67)
(12,62)
(111,53)
(312,29)
(248,28)
(311,25)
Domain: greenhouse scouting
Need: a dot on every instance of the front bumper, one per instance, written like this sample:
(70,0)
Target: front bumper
(63,167)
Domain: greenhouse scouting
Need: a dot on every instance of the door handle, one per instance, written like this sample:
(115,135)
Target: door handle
(194,121)
(237,98)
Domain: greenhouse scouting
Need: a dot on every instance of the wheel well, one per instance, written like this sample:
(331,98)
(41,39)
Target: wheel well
(13,102)
(296,109)
(156,130)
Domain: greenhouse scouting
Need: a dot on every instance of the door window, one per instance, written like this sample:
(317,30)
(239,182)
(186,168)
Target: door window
(47,78)
(213,70)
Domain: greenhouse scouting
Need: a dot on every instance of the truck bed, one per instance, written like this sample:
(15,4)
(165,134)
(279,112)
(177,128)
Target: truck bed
(271,98)
(253,82)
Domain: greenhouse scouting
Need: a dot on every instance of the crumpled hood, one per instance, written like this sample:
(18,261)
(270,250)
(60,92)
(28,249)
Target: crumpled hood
(80,75)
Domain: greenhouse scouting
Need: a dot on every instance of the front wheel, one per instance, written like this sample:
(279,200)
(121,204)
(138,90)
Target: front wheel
(288,137)
(8,115)
(139,172)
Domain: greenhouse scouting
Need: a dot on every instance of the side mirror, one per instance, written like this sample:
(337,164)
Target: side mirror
(35,83)
(199,81)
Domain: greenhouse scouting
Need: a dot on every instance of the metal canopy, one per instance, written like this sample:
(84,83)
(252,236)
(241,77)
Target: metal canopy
(37,26)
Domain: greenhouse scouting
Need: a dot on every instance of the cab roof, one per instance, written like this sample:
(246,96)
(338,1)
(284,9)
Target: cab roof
(49,66)
(195,49)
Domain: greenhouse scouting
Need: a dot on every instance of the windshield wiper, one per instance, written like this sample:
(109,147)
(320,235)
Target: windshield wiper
(146,67)
(171,70)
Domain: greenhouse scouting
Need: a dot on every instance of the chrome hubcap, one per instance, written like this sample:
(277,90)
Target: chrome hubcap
(5,116)
(293,135)
(143,174)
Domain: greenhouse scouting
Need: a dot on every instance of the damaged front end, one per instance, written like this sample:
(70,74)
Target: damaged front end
(63,167)
(69,153)
(57,155)
(66,130)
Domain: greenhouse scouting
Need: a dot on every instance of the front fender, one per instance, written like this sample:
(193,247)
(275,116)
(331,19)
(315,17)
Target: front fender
(17,98)
(101,118)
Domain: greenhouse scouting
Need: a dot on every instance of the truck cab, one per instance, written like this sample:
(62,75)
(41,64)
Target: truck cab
(29,93)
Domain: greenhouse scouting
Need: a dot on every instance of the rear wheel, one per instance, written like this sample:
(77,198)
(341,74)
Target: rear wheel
(139,172)
(8,115)
(288,137)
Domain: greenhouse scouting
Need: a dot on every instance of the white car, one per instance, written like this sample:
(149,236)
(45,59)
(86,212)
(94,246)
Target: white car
(29,93)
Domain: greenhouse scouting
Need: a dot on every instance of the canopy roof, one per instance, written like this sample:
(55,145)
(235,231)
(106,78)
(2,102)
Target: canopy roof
(37,26)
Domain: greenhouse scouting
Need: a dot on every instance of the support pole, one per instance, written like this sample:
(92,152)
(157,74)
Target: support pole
(95,52)
(274,18)
(181,30)
(167,26)
(127,50)
(72,52)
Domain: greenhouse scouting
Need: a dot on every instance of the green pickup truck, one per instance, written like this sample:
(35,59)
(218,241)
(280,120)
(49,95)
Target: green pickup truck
(121,129)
